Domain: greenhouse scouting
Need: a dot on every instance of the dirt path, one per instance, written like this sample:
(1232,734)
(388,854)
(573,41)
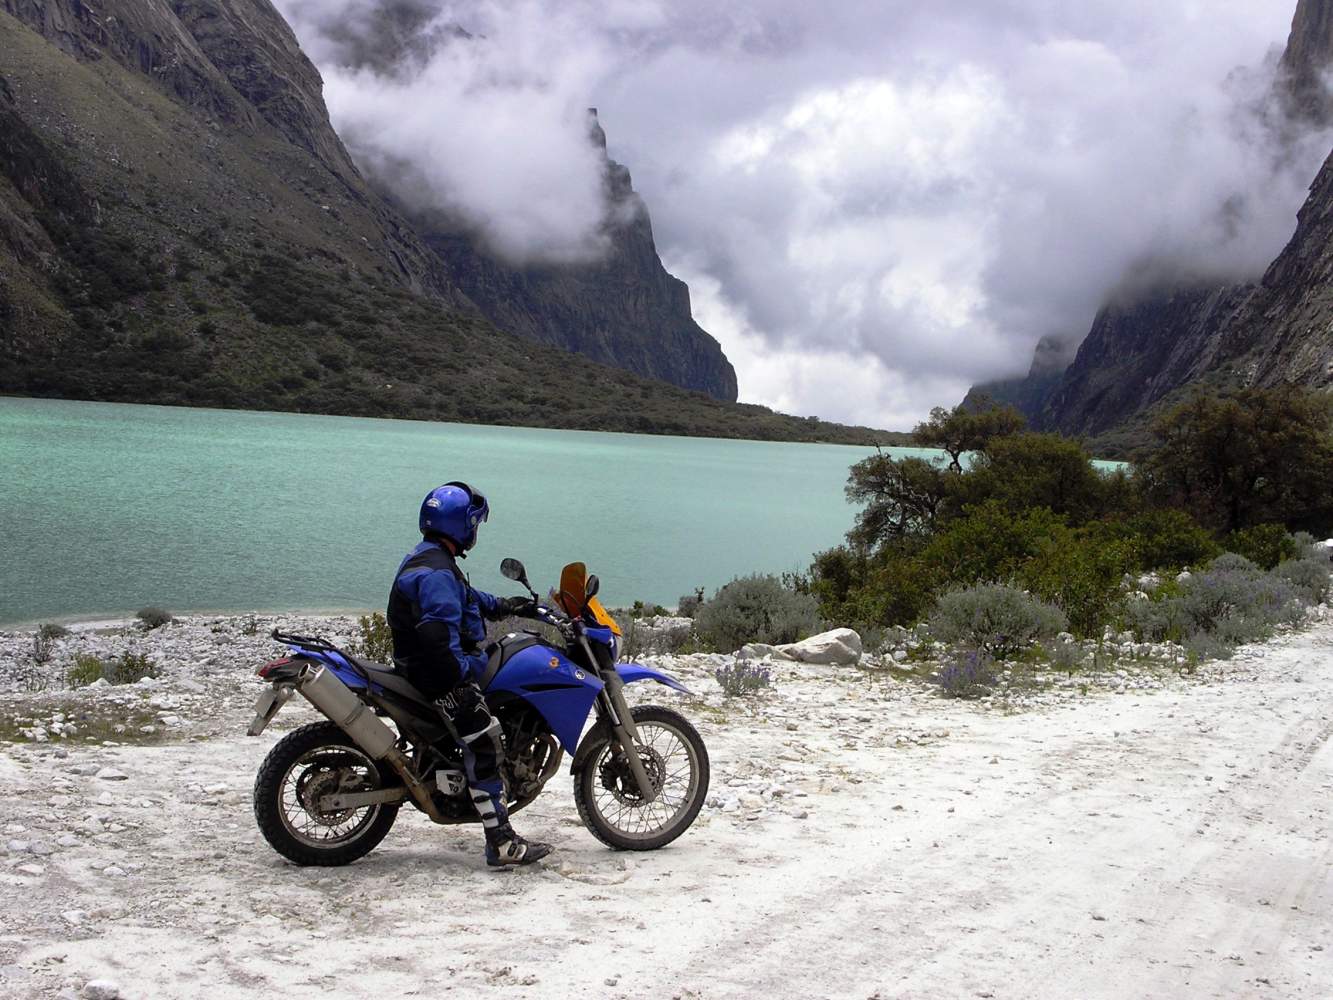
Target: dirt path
(864,838)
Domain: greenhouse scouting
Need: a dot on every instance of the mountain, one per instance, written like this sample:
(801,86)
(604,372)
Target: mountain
(179,223)
(1148,350)
(623,310)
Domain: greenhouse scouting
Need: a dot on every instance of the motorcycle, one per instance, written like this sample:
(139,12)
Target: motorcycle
(328,792)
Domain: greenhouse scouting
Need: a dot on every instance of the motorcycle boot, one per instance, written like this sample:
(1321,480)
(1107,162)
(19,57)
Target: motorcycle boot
(506,848)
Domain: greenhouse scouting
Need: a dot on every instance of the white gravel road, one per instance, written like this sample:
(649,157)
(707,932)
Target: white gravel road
(864,838)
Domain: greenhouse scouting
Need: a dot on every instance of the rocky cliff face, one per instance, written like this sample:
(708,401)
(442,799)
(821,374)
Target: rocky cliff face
(180,224)
(623,310)
(1278,329)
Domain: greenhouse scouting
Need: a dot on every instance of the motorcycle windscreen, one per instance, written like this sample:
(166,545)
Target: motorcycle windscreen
(572,593)
(602,616)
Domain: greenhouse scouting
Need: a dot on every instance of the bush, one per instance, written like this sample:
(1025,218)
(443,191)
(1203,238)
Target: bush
(1202,646)
(967,674)
(1233,601)
(86,669)
(376,640)
(688,606)
(52,631)
(41,647)
(1265,545)
(1308,577)
(1081,573)
(1064,655)
(128,669)
(995,618)
(742,678)
(756,609)
(1169,539)
(152,618)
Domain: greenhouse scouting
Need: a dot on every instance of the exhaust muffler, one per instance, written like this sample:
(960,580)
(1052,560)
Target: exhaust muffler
(335,699)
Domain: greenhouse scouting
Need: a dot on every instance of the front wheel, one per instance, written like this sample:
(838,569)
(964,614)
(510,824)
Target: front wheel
(609,800)
(304,766)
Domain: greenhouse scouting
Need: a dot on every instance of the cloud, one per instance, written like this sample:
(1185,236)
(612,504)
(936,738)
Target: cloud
(875,204)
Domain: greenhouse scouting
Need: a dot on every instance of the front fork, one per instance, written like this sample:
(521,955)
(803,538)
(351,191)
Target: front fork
(612,698)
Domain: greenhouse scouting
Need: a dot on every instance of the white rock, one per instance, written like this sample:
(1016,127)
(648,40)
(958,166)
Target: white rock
(111,774)
(101,989)
(837,647)
(113,870)
(759,650)
(899,655)
(101,682)
(33,870)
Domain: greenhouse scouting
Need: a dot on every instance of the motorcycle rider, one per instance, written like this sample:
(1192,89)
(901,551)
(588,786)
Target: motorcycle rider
(436,618)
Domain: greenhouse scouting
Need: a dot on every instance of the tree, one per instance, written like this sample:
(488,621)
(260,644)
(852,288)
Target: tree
(902,497)
(958,430)
(1023,471)
(1254,456)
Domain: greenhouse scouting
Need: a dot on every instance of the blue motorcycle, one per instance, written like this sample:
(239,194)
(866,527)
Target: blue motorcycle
(328,792)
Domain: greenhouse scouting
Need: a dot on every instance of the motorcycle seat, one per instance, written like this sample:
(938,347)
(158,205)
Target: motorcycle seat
(389,678)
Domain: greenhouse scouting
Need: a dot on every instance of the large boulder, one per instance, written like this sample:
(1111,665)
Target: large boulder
(841,646)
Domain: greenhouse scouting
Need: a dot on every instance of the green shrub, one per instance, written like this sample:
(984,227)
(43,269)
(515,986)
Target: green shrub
(756,609)
(86,669)
(129,668)
(996,618)
(989,542)
(1265,545)
(1308,577)
(52,631)
(376,640)
(151,617)
(1169,539)
(1080,573)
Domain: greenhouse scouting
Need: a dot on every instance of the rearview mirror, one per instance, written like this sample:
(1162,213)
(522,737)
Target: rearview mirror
(512,569)
(592,586)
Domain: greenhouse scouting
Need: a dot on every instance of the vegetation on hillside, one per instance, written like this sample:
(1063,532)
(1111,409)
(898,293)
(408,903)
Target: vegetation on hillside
(1028,532)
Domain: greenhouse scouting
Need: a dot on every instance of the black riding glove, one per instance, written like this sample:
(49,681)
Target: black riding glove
(462,699)
(522,607)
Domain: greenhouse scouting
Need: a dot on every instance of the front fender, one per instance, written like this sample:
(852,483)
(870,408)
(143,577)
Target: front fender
(601,731)
(630,672)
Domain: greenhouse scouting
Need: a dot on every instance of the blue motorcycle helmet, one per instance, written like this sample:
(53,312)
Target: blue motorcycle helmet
(454,511)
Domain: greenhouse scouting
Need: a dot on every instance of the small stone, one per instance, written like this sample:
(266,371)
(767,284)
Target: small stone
(101,989)
(41,849)
(113,870)
(74,917)
(68,840)
(33,870)
(18,846)
(111,774)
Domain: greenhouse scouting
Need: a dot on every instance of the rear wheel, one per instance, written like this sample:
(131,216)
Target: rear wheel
(304,766)
(609,800)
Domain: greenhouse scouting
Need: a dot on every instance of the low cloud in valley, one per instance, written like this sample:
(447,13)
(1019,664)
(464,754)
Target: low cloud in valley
(874,204)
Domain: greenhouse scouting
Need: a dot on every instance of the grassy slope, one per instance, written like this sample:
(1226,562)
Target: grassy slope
(229,269)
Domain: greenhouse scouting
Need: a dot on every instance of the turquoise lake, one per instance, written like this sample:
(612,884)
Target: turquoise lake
(107,507)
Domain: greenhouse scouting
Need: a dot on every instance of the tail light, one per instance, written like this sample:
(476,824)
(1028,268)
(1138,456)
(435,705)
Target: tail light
(272,665)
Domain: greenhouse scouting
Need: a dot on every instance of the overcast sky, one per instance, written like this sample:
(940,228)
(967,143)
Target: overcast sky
(875,204)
